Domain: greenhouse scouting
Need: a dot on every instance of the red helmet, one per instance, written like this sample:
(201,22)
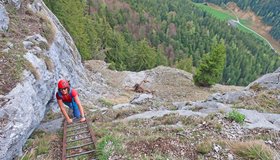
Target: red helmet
(63,84)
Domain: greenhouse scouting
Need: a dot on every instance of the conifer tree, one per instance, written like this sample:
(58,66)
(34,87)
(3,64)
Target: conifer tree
(185,64)
(144,56)
(75,23)
(211,66)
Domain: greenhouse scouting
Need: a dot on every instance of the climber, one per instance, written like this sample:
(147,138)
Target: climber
(69,96)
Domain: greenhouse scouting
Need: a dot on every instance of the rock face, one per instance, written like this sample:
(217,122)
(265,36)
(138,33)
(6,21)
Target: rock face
(268,81)
(4,19)
(27,102)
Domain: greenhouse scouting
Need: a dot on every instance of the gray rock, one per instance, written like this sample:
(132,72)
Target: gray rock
(180,105)
(52,126)
(123,106)
(36,39)
(134,77)
(217,148)
(256,119)
(142,98)
(230,97)
(208,106)
(268,81)
(36,6)
(6,50)
(28,45)
(10,45)
(4,19)
(16,3)
(277,122)
(230,157)
(148,114)
(189,113)
(151,114)
(277,70)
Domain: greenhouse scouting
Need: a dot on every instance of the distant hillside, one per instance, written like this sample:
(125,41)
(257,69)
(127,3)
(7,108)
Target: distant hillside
(134,35)
(268,10)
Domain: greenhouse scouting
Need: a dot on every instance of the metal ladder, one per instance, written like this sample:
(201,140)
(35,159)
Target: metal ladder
(78,141)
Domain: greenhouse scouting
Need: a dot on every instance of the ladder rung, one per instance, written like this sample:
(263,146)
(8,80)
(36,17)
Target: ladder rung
(78,139)
(80,125)
(77,134)
(79,146)
(77,128)
(76,124)
(79,154)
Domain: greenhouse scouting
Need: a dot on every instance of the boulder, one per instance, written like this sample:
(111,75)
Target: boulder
(142,98)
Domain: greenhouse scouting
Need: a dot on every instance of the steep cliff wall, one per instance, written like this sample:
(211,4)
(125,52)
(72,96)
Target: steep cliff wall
(26,104)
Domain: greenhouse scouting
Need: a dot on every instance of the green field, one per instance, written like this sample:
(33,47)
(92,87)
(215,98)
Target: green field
(218,14)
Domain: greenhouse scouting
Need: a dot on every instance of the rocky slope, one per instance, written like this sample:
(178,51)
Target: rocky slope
(175,88)
(177,108)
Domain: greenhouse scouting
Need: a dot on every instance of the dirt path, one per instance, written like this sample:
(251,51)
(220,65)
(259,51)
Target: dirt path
(237,21)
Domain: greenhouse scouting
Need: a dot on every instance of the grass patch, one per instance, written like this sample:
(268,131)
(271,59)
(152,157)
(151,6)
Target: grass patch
(105,102)
(264,101)
(12,65)
(224,16)
(255,150)
(169,119)
(100,131)
(268,102)
(47,60)
(191,120)
(37,144)
(28,65)
(256,87)
(242,28)
(48,30)
(204,147)
(110,114)
(218,127)
(236,116)
(196,108)
(50,115)
(106,146)
(42,147)
(246,22)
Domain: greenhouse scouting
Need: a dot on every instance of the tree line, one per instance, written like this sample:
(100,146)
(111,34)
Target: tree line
(140,35)
(96,39)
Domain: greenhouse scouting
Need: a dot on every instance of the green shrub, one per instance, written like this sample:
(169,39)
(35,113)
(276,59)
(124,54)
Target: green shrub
(234,115)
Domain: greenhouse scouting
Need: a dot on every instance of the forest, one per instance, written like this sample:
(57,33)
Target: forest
(137,35)
(268,10)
